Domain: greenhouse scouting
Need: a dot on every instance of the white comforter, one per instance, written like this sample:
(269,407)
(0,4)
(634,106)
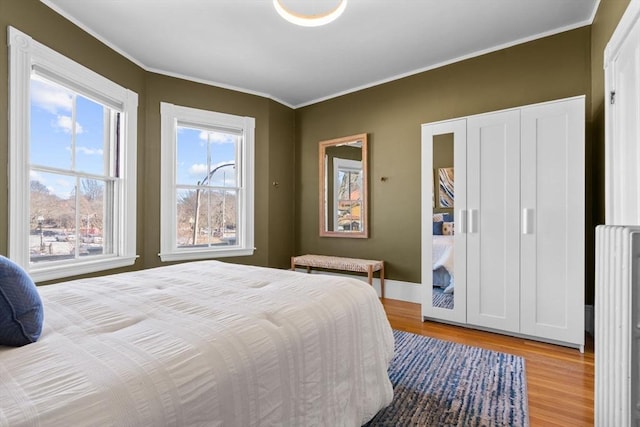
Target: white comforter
(442,253)
(442,256)
(202,344)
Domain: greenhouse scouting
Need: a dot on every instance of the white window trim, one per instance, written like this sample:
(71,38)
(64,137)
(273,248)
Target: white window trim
(170,116)
(26,54)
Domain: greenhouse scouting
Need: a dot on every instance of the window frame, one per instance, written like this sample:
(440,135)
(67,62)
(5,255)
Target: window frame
(26,55)
(171,117)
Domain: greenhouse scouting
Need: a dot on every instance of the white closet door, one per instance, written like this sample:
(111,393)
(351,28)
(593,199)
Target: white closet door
(493,200)
(432,306)
(552,235)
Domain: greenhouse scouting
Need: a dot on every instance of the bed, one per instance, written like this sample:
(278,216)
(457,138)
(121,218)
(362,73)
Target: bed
(202,344)
(442,262)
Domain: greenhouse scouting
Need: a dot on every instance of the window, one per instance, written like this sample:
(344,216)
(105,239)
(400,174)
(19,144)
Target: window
(207,184)
(347,194)
(72,165)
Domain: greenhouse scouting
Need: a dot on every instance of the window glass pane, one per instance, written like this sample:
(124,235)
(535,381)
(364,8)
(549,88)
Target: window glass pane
(191,158)
(52,217)
(92,200)
(205,158)
(222,216)
(51,124)
(91,138)
(206,217)
(223,175)
(185,220)
(350,185)
(223,151)
(349,215)
(59,231)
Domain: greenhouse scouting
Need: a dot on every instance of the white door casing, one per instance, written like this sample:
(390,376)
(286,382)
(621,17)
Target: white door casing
(622,127)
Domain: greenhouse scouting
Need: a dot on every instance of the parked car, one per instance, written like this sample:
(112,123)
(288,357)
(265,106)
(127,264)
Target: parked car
(65,237)
(90,238)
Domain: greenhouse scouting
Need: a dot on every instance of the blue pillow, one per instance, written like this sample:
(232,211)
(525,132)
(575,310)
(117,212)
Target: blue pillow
(21,311)
(448,217)
(437,228)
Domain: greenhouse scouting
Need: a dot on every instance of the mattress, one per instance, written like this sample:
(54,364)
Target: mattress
(202,344)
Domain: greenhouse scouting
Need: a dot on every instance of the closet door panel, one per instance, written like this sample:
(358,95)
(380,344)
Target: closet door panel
(493,186)
(552,235)
(437,304)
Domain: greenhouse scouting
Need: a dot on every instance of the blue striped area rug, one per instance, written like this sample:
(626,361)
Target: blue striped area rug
(442,383)
(442,300)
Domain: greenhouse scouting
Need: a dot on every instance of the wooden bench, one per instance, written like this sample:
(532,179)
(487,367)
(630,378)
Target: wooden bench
(340,263)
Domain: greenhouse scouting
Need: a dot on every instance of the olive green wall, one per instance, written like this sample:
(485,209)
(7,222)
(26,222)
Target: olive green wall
(550,68)
(274,133)
(281,185)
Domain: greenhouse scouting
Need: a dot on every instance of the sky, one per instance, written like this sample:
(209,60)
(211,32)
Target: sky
(195,146)
(51,135)
(52,130)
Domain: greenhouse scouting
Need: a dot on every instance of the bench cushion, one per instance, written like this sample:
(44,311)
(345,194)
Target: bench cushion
(338,263)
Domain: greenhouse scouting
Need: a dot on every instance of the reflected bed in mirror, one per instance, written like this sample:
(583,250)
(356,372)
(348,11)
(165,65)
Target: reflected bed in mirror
(443,195)
(343,187)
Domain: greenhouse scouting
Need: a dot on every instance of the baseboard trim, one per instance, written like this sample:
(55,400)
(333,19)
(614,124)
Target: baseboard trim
(579,347)
(402,291)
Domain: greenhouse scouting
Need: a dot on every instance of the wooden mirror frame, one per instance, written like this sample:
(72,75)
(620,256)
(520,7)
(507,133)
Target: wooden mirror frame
(363,233)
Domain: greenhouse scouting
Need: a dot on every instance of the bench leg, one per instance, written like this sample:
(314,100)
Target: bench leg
(382,281)
(370,274)
(293,264)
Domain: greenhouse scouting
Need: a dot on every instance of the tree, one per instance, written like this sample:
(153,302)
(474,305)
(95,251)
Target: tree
(38,187)
(92,189)
(42,203)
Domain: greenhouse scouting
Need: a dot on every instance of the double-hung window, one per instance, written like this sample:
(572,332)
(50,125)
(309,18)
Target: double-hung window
(207,184)
(72,154)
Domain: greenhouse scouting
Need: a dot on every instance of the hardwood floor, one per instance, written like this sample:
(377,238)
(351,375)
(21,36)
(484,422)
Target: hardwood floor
(559,379)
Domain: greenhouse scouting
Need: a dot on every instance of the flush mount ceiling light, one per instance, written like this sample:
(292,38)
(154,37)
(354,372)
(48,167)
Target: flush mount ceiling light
(310,13)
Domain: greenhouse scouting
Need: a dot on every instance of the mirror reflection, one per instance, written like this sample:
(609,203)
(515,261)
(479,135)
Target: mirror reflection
(343,187)
(443,196)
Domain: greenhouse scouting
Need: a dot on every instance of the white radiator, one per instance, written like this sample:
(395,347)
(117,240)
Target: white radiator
(617,331)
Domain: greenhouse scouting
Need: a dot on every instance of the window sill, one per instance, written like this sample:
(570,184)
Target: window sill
(61,271)
(185,255)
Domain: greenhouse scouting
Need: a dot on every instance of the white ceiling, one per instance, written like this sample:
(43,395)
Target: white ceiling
(245,45)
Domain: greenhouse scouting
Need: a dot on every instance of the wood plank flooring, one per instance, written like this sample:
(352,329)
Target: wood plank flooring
(559,379)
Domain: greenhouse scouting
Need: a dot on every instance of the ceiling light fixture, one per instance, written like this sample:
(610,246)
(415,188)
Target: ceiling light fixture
(310,17)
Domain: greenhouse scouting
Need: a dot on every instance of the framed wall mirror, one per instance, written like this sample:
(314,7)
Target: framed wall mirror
(343,187)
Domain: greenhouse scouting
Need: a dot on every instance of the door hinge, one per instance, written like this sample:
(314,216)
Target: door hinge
(612,97)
